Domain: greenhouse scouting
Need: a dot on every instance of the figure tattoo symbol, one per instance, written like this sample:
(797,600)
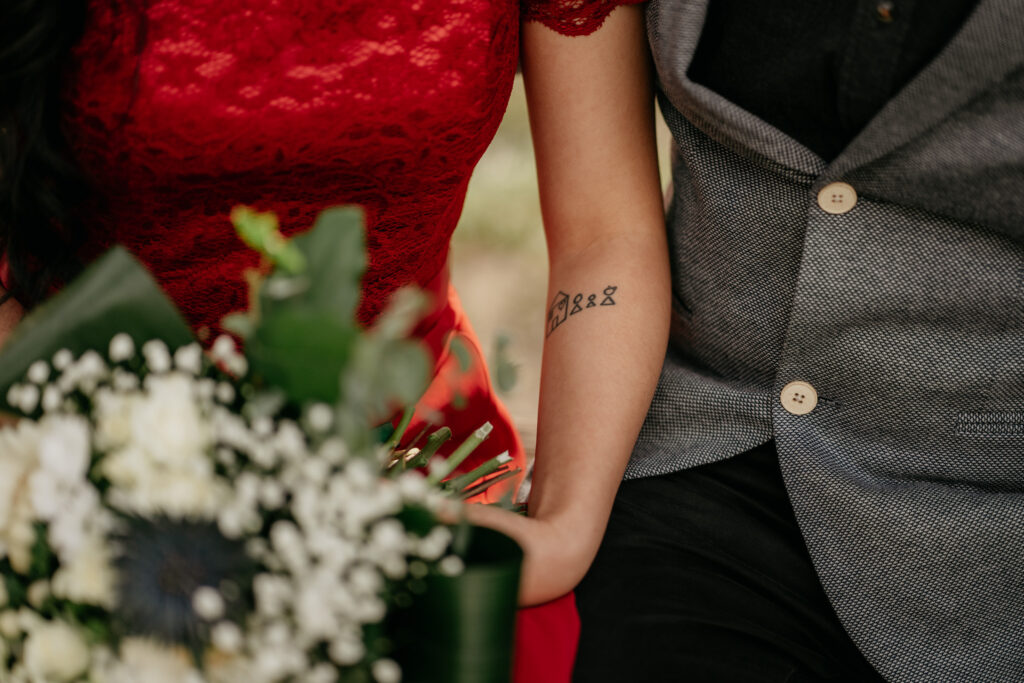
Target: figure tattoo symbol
(608,292)
(576,308)
(590,301)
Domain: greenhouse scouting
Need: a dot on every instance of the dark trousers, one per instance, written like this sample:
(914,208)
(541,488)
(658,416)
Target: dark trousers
(703,576)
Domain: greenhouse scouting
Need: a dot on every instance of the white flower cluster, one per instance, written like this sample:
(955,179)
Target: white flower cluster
(326,563)
(166,438)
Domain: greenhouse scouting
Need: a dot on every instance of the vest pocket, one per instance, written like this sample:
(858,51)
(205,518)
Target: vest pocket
(990,424)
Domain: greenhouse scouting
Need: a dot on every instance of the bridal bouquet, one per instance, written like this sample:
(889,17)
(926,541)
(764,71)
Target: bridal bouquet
(174,514)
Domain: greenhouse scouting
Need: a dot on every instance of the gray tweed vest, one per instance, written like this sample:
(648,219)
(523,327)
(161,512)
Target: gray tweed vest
(903,314)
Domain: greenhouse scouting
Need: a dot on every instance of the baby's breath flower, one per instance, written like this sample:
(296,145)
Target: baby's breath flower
(52,398)
(208,603)
(346,651)
(272,494)
(13,396)
(38,593)
(231,523)
(320,417)
(227,637)
(122,348)
(39,372)
(28,398)
(189,359)
(62,359)
(10,625)
(451,566)
(322,673)
(157,356)
(435,543)
(386,671)
(225,392)
(90,368)
(125,381)
(263,426)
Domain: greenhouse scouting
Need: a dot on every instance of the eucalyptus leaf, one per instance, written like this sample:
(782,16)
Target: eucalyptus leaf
(302,352)
(384,376)
(504,370)
(115,294)
(335,254)
(261,232)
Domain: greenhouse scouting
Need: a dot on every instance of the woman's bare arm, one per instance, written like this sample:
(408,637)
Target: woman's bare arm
(592,118)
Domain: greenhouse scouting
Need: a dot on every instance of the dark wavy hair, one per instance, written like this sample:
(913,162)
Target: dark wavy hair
(40,183)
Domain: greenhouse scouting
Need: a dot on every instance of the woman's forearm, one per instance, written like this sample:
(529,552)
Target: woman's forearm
(592,119)
(602,359)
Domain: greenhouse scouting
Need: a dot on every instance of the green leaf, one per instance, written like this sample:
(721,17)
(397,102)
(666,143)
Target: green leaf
(301,351)
(241,324)
(504,371)
(335,254)
(462,353)
(261,232)
(385,374)
(115,294)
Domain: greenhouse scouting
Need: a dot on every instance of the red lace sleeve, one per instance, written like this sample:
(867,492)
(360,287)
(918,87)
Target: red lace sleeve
(571,17)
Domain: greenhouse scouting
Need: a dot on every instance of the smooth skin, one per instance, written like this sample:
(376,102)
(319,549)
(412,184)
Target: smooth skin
(591,109)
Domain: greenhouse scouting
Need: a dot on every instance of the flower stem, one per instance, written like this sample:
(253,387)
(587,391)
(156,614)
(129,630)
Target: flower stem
(469,478)
(403,424)
(461,453)
(434,442)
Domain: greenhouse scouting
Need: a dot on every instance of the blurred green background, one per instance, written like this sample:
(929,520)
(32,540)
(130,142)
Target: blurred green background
(499,260)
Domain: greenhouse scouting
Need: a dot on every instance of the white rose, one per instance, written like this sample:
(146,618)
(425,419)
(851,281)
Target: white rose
(89,578)
(145,660)
(81,517)
(167,422)
(64,447)
(113,414)
(10,626)
(56,652)
(19,446)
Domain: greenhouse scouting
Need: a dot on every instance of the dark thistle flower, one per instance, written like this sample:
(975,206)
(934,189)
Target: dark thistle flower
(160,566)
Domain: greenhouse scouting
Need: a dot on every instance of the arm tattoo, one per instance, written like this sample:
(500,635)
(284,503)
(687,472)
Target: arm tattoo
(562,307)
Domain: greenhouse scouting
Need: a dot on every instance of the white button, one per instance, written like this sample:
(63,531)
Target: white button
(837,198)
(799,398)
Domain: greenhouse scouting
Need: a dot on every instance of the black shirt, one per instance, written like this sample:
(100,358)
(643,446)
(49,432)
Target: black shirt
(819,70)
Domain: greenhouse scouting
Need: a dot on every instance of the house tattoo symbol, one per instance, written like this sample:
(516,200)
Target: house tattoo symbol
(559,311)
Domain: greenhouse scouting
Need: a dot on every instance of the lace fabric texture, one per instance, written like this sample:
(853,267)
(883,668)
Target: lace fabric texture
(572,17)
(181,109)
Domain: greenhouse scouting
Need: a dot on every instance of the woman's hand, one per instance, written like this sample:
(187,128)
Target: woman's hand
(556,558)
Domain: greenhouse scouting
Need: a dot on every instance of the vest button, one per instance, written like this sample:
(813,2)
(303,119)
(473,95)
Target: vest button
(837,198)
(798,398)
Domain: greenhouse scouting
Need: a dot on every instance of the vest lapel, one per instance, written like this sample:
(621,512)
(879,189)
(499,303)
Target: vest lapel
(988,46)
(674,28)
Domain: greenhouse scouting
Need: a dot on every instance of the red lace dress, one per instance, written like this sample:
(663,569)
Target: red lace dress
(181,109)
